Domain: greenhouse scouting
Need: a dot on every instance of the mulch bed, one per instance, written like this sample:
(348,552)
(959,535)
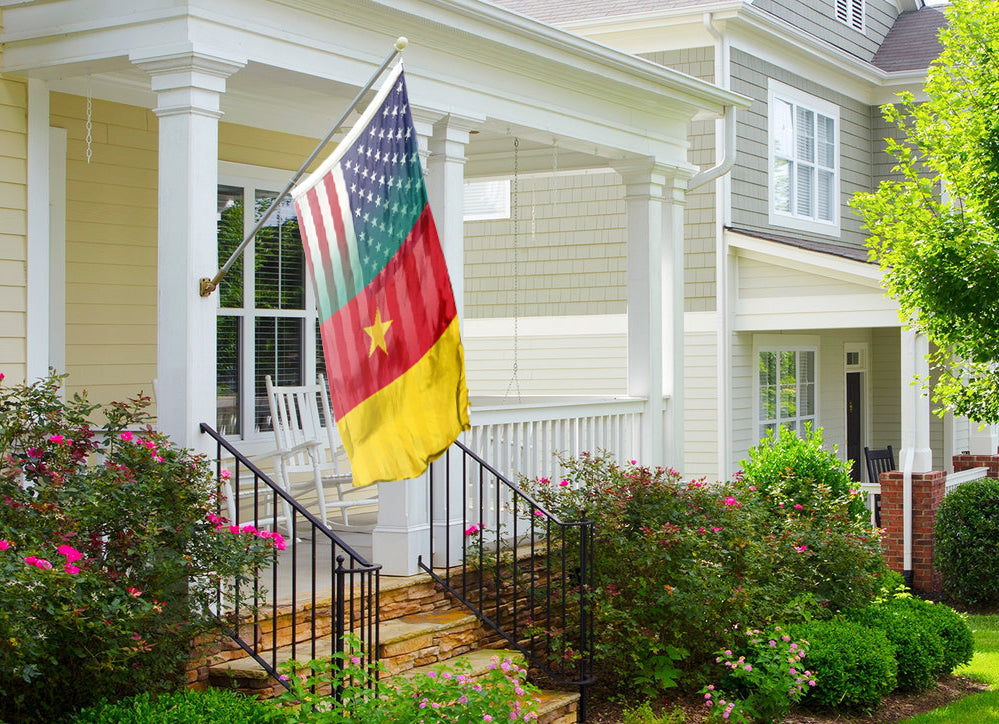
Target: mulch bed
(895,707)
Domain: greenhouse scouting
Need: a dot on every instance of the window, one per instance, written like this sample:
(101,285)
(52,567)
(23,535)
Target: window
(786,390)
(486,200)
(851,12)
(266,316)
(804,173)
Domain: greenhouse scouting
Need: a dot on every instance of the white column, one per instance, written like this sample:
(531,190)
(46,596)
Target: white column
(188,86)
(38,317)
(447,195)
(915,455)
(447,200)
(402,533)
(654,197)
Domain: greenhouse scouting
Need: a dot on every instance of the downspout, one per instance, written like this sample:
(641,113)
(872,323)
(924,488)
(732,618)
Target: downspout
(721,79)
(724,129)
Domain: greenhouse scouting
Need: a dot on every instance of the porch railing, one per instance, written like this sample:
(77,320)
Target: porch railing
(521,570)
(522,439)
(317,576)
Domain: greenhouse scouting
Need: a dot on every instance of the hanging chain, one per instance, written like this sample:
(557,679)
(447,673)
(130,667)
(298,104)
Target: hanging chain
(514,380)
(90,122)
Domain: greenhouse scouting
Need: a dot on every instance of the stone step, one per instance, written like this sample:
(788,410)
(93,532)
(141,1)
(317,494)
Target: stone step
(404,643)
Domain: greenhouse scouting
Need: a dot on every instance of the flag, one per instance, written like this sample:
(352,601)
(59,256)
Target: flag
(388,321)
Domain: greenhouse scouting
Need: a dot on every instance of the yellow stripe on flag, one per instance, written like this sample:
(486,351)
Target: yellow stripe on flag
(423,409)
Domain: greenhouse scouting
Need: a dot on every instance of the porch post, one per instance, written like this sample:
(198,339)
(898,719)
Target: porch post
(915,455)
(188,86)
(654,197)
(446,189)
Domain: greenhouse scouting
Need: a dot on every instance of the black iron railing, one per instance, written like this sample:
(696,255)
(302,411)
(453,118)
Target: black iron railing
(522,571)
(317,577)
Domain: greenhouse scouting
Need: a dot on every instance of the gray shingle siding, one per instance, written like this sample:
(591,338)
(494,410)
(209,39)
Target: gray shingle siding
(750,182)
(818,18)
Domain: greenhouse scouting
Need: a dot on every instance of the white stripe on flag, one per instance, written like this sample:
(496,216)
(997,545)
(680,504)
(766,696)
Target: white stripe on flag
(348,225)
(321,283)
(343,294)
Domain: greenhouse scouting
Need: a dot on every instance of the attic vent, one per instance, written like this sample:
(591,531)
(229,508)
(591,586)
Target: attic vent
(851,12)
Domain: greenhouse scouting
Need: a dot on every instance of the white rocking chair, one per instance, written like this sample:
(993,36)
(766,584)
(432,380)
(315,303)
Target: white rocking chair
(308,451)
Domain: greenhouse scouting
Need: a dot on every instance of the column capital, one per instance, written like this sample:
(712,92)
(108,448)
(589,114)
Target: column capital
(186,80)
(644,175)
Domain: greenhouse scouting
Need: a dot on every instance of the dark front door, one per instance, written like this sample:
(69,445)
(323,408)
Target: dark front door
(854,449)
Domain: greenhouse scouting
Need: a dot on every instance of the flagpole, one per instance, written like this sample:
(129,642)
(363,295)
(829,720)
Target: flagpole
(210,285)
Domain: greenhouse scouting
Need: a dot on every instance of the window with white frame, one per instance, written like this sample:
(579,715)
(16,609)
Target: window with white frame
(851,12)
(804,160)
(266,316)
(787,390)
(485,200)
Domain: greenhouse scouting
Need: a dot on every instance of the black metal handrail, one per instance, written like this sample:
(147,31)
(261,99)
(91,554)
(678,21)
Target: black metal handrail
(523,572)
(353,588)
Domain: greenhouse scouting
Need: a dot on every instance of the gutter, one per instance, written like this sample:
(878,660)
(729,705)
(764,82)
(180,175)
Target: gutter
(724,165)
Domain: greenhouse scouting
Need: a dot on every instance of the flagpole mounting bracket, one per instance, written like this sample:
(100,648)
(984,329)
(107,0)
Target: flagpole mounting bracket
(207,286)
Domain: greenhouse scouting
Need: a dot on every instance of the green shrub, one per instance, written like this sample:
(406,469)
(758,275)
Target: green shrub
(112,550)
(919,648)
(966,539)
(854,665)
(214,706)
(955,634)
(794,470)
(683,569)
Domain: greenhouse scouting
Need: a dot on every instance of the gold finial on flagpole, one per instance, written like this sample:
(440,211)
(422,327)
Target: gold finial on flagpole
(401,42)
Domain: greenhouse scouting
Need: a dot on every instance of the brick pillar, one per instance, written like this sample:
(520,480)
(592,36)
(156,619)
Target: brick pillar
(966,462)
(927,491)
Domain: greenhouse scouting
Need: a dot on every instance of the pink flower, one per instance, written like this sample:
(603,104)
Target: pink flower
(279,542)
(126,436)
(43,564)
(730,501)
(57,439)
(486,717)
(4,545)
(34,452)
(801,548)
(234,529)
(72,555)
(134,592)
(355,660)
(71,569)
(633,462)
(799,506)
(539,513)
(30,561)
(472,529)
(563,483)
(248,529)
(715,530)
(226,474)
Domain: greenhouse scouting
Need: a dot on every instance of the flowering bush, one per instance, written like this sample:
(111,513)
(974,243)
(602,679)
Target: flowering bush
(447,694)
(763,682)
(685,568)
(111,553)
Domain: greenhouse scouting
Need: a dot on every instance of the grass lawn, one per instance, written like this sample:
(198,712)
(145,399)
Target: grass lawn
(984,667)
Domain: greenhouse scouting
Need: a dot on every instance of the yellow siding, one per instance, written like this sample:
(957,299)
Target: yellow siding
(700,413)
(110,247)
(240,144)
(13,223)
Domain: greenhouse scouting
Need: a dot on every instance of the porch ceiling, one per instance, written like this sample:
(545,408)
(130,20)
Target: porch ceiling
(304,61)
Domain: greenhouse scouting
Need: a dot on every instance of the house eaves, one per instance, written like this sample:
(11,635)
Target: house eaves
(741,20)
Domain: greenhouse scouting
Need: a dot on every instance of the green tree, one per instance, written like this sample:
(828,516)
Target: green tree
(935,229)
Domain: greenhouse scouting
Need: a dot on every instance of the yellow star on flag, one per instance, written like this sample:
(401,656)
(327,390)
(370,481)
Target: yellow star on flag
(377,333)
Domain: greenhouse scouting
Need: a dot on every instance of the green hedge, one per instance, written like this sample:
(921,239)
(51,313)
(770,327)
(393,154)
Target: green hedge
(854,665)
(214,706)
(966,541)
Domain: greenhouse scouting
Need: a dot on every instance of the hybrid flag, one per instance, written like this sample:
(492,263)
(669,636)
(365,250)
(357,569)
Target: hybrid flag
(389,326)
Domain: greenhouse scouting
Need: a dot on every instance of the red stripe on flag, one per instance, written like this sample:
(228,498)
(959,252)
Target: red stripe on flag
(341,234)
(319,222)
(413,291)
